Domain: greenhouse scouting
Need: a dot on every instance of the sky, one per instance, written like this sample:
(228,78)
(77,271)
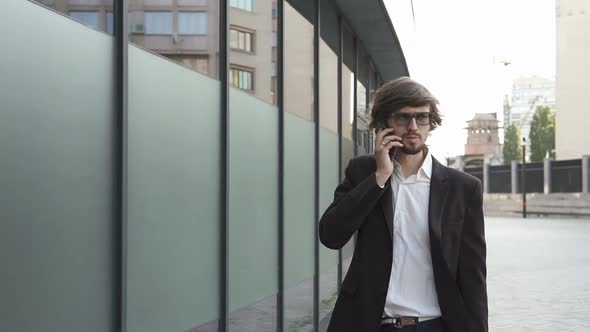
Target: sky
(457,49)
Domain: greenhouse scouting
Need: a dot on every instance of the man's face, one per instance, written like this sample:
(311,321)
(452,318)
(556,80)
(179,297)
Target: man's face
(413,130)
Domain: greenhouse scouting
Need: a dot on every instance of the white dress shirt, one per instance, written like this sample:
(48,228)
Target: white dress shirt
(411,285)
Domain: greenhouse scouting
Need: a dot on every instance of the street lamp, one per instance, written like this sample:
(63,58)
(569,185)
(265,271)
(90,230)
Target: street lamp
(523,177)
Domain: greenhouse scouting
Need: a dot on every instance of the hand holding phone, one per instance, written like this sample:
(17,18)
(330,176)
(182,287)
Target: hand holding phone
(386,143)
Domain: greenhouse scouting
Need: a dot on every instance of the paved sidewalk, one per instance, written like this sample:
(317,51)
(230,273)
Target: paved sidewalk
(538,274)
(538,281)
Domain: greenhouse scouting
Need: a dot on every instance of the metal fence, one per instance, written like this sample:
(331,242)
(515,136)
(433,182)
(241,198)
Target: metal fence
(566,176)
(534,177)
(500,179)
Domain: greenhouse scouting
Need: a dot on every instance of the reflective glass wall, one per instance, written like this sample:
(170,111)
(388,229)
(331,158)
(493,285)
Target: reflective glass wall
(363,113)
(253,166)
(57,176)
(328,154)
(299,230)
(184,31)
(153,258)
(173,225)
(373,85)
(96,14)
(348,118)
(173,258)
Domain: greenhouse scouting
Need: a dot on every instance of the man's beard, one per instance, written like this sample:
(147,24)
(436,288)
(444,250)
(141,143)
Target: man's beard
(412,150)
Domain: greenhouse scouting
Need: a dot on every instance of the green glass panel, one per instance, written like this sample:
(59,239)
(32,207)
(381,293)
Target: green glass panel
(329,180)
(300,222)
(253,199)
(57,225)
(173,233)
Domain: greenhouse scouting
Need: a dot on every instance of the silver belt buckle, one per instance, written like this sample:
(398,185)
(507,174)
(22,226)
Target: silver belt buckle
(397,322)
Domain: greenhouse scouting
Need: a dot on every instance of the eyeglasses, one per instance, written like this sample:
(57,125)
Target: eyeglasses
(404,119)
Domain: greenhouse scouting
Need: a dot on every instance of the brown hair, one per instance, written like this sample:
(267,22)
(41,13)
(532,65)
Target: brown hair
(399,93)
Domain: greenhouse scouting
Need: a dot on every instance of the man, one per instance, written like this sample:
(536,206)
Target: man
(419,262)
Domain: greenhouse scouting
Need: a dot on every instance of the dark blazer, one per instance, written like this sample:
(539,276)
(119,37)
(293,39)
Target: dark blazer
(457,244)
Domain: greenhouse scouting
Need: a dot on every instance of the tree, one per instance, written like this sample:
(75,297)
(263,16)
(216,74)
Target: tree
(511,149)
(542,135)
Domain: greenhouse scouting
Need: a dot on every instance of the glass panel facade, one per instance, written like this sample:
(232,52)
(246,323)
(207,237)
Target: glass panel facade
(57,245)
(300,223)
(252,52)
(64,167)
(374,85)
(348,83)
(110,27)
(89,18)
(173,225)
(93,13)
(328,173)
(328,92)
(298,69)
(254,157)
(362,95)
(182,31)
(253,227)
(328,258)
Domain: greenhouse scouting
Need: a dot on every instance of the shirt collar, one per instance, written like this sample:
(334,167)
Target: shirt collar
(425,169)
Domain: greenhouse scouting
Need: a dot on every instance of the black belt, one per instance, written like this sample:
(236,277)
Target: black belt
(400,322)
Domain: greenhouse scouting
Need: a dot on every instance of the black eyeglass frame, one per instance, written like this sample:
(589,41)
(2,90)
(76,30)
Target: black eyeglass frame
(404,119)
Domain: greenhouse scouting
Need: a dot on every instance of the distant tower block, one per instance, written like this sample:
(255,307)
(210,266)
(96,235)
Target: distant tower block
(482,136)
(507,112)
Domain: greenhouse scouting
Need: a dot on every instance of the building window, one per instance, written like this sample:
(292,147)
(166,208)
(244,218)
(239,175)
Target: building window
(273,70)
(241,40)
(274,39)
(109,27)
(241,79)
(88,18)
(274,9)
(192,23)
(159,23)
(242,4)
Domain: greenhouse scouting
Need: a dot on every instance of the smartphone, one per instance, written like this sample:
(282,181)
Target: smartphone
(380,126)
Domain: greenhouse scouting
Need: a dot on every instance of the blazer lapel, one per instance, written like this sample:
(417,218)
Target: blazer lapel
(439,188)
